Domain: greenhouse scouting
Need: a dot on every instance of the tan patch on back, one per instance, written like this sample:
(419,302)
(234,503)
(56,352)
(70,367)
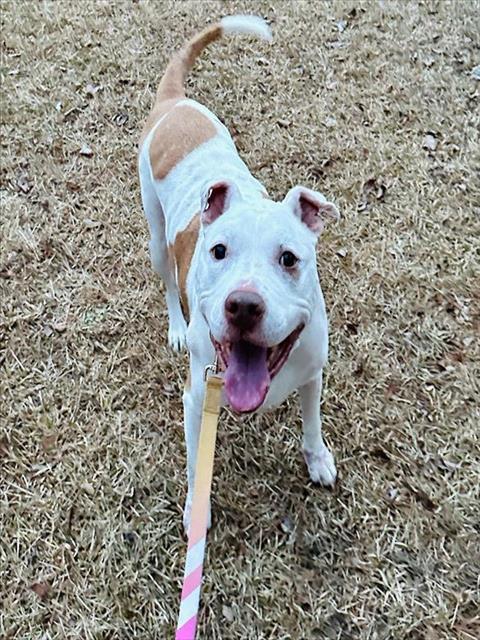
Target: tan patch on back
(159,110)
(180,132)
(182,254)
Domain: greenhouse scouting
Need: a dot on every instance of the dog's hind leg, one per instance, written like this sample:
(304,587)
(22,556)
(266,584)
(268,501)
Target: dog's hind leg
(177,327)
(320,461)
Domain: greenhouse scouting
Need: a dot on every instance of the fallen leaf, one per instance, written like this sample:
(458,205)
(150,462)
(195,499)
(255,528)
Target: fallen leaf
(227,613)
(120,119)
(91,89)
(38,468)
(476,72)
(336,44)
(41,589)
(88,488)
(92,224)
(49,442)
(392,389)
(351,327)
(457,356)
(429,142)
(372,189)
(286,524)
(381,454)
(129,537)
(422,497)
(381,191)
(328,161)
(24,183)
(359,369)
(47,249)
(86,151)
(446,464)
(391,494)
(369,185)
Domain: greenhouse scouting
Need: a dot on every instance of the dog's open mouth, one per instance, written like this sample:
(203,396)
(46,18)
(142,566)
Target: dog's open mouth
(250,368)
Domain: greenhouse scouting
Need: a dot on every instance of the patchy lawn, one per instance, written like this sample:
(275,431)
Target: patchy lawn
(375,105)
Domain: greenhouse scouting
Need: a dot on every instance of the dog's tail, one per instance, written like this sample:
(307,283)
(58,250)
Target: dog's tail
(173,81)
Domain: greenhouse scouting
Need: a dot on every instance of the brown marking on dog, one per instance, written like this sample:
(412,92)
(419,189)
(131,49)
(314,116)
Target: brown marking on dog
(172,265)
(182,250)
(182,130)
(172,85)
(159,110)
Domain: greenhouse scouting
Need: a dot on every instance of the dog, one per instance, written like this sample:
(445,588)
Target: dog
(239,269)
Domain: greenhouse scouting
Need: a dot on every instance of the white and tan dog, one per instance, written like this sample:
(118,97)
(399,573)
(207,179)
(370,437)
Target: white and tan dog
(239,266)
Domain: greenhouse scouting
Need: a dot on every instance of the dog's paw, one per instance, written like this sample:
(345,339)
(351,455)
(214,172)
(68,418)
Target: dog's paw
(321,467)
(187,512)
(177,335)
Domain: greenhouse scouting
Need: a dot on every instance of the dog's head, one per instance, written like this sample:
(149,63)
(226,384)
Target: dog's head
(257,281)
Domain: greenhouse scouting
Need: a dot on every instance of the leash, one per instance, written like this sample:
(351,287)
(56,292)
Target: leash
(192,580)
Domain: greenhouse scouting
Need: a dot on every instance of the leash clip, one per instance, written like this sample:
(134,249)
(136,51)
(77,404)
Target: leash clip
(211,368)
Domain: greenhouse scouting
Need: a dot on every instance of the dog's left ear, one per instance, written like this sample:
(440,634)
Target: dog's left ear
(216,199)
(312,208)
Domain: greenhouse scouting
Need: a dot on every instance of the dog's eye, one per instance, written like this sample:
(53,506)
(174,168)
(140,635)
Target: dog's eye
(219,251)
(288,260)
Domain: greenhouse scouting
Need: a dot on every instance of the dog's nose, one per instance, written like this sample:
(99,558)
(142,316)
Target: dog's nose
(244,309)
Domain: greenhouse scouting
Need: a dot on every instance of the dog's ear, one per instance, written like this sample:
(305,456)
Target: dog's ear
(312,208)
(216,199)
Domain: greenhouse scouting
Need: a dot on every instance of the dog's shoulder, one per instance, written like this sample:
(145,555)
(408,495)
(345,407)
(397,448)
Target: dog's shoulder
(178,128)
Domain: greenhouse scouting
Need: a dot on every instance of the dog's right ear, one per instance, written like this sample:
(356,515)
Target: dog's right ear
(216,199)
(311,207)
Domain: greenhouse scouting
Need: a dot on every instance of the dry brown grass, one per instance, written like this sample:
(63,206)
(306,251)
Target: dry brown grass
(92,454)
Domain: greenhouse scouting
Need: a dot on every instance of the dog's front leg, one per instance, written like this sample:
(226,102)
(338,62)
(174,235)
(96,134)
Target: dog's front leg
(192,408)
(320,461)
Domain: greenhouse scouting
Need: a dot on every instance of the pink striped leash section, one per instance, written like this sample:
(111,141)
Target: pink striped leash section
(187,618)
(192,581)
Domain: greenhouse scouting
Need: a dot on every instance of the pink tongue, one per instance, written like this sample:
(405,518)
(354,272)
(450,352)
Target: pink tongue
(247,378)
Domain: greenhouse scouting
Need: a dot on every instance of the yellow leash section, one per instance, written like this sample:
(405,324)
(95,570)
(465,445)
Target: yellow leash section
(192,581)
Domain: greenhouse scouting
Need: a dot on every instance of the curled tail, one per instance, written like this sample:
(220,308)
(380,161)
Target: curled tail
(172,84)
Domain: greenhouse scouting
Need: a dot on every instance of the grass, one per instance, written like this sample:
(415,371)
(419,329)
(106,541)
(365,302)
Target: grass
(375,105)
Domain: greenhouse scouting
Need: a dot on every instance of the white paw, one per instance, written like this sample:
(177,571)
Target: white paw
(177,335)
(321,467)
(187,512)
